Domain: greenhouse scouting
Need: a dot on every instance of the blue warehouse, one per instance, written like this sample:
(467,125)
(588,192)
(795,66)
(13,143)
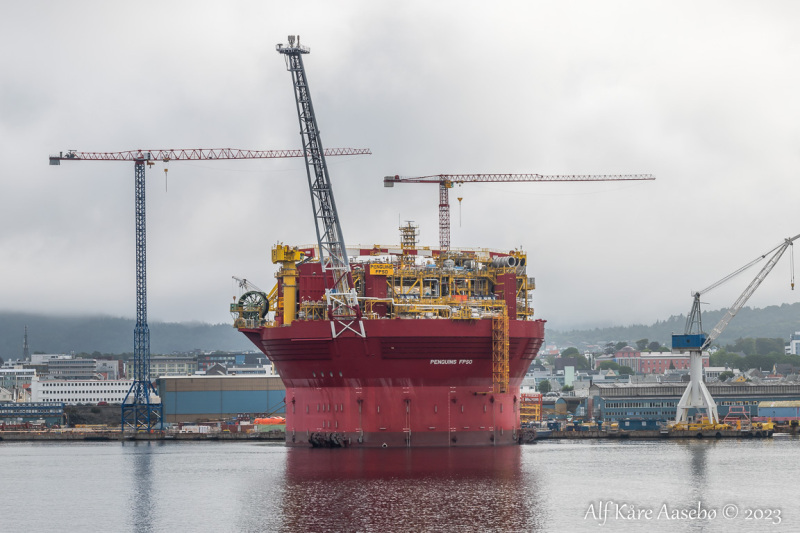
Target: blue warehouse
(204,398)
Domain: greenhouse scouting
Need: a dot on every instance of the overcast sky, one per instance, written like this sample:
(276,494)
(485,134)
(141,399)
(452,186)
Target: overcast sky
(704,95)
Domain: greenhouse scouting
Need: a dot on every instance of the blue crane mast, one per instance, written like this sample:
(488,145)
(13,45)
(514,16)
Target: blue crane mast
(138,411)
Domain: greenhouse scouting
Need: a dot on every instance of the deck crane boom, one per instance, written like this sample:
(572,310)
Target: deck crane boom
(694,340)
(446,182)
(138,411)
(342,300)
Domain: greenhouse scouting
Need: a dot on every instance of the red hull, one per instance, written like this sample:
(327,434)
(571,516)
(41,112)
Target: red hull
(408,383)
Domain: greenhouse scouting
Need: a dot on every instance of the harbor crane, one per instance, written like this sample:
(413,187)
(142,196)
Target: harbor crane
(341,298)
(446,182)
(139,413)
(694,340)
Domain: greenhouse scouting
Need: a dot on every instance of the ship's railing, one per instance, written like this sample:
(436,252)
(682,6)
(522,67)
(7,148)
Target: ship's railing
(457,307)
(373,250)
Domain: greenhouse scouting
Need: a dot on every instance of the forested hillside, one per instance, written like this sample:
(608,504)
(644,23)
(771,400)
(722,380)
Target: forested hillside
(108,335)
(770,322)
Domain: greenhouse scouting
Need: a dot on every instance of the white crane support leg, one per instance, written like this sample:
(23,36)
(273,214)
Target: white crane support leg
(696,395)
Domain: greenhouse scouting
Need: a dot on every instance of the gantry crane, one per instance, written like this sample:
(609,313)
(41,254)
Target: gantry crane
(341,297)
(446,182)
(694,340)
(138,411)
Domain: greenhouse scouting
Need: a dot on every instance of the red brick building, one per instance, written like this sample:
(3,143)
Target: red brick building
(654,362)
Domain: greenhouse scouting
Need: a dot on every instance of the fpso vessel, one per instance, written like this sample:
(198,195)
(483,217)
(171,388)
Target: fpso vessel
(435,357)
(401,346)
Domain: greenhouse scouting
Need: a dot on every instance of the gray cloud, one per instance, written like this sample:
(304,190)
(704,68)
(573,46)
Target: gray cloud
(701,95)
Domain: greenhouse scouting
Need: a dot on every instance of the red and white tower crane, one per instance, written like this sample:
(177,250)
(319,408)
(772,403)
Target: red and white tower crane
(446,182)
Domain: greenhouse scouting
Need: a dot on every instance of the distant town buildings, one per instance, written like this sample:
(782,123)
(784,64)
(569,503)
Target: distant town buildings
(16,380)
(68,379)
(72,368)
(793,348)
(172,366)
(110,368)
(228,360)
(651,362)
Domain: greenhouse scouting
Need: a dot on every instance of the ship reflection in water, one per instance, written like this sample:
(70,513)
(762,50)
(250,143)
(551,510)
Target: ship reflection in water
(420,489)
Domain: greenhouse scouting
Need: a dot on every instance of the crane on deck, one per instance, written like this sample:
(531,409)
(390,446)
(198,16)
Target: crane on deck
(139,413)
(341,297)
(694,340)
(446,182)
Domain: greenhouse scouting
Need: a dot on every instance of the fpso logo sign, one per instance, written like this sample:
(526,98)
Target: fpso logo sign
(381,269)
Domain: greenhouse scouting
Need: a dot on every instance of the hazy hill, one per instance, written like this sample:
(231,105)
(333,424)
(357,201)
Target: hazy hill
(58,334)
(770,322)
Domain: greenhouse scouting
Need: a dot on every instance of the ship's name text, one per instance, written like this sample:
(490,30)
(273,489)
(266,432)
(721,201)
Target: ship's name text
(451,361)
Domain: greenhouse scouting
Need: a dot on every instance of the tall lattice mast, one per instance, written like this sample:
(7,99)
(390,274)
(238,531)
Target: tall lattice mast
(342,301)
(26,353)
(139,412)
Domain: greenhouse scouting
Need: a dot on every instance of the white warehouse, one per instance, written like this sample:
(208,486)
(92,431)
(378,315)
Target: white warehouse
(72,392)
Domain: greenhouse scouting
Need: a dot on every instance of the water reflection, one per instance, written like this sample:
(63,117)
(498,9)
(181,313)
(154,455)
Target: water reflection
(141,497)
(421,489)
(698,464)
(403,490)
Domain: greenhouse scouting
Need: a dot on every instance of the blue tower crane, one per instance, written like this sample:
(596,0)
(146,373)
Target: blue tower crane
(139,411)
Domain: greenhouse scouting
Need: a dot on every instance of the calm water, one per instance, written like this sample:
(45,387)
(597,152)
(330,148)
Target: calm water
(549,486)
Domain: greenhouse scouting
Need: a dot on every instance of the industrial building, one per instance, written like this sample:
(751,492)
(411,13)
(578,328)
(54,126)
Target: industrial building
(22,412)
(659,401)
(72,392)
(780,411)
(202,398)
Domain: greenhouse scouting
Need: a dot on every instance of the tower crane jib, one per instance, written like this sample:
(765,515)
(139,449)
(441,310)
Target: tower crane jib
(446,181)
